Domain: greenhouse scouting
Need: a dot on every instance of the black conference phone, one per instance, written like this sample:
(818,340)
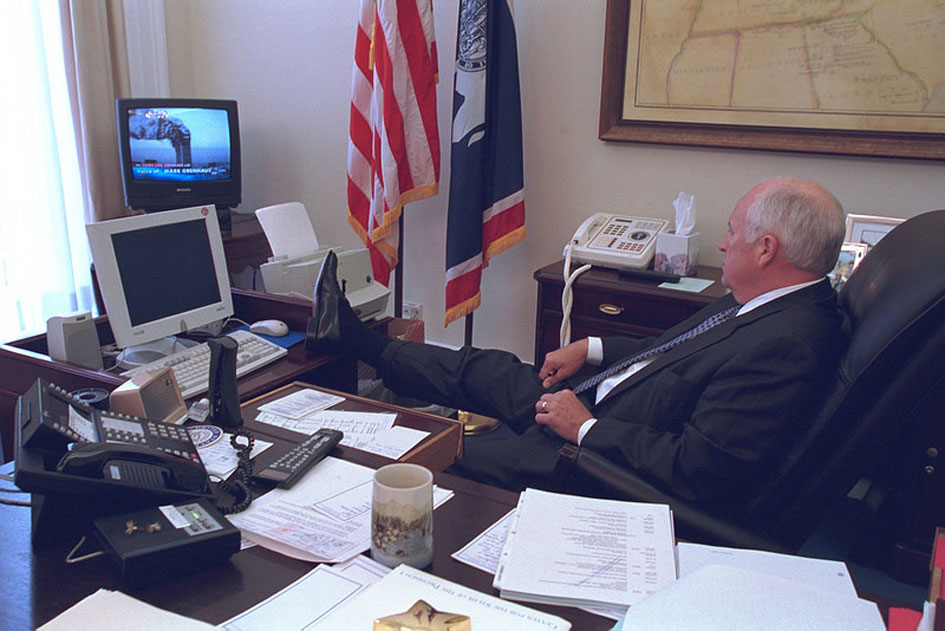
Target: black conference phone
(67,445)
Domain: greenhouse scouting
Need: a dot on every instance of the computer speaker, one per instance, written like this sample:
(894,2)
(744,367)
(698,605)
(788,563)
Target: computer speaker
(151,394)
(72,338)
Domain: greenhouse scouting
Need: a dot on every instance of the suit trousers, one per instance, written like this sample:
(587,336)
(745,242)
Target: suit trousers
(485,381)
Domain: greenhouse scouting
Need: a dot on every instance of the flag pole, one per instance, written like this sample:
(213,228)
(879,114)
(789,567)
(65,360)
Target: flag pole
(469,329)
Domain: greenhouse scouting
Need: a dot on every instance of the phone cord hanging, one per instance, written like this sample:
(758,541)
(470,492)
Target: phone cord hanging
(567,296)
(244,470)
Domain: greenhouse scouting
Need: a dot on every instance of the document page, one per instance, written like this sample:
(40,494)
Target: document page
(582,551)
(106,609)
(398,591)
(373,432)
(300,403)
(310,598)
(286,521)
(721,598)
(324,518)
(821,574)
(484,551)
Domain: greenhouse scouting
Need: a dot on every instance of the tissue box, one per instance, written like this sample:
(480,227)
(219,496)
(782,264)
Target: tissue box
(676,253)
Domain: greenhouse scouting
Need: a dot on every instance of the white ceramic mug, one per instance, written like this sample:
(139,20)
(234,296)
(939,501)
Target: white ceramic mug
(402,515)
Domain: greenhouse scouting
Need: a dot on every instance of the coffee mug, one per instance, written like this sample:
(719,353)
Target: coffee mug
(402,515)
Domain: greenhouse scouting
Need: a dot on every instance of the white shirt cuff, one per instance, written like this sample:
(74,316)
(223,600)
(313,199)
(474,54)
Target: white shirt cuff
(585,428)
(595,351)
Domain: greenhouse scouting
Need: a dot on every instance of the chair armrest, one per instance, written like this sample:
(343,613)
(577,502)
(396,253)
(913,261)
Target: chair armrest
(589,470)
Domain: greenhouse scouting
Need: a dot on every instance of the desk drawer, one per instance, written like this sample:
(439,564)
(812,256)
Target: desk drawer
(605,303)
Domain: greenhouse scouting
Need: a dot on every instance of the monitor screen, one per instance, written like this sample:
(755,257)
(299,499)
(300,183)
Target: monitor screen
(161,274)
(179,152)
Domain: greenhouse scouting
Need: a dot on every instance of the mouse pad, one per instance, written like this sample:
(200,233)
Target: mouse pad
(293,337)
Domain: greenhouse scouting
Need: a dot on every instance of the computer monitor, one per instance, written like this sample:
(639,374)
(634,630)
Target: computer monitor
(179,152)
(160,274)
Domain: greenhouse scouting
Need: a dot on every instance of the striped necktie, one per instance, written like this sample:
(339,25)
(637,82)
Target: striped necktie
(702,327)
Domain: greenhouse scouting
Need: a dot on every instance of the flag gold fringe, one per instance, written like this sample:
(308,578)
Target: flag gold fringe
(463,309)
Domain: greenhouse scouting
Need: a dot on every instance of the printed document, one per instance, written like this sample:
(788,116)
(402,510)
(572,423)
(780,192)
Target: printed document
(301,403)
(324,518)
(720,598)
(404,586)
(484,551)
(586,552)
(106,609)
(310,598)
(306,411)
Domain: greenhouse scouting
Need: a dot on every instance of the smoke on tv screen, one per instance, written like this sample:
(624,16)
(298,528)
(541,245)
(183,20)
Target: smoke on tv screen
(179,144)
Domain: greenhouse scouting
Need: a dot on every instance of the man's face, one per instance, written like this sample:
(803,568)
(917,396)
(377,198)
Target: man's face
(739,265)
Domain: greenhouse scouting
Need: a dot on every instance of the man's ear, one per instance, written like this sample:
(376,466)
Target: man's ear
(768,247)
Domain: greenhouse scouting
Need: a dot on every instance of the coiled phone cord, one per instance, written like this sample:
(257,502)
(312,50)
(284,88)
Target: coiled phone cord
(567,296)
(244,470)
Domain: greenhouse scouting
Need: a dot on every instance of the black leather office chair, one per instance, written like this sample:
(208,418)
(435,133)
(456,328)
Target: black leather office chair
(874,454)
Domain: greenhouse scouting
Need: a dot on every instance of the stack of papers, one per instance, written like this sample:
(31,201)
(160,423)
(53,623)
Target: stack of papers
(732,589)
(586,552)
(324,518)
(723,598)
(305,411)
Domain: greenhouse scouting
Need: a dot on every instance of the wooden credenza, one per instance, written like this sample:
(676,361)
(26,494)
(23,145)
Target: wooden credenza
(606,303)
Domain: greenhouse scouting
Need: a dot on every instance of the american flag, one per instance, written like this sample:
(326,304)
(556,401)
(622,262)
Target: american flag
(487,189)
(394,142)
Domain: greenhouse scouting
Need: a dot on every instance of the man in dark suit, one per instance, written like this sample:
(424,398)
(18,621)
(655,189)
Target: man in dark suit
(704,419)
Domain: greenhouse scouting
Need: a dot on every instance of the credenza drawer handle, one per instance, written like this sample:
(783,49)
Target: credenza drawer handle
(609,309)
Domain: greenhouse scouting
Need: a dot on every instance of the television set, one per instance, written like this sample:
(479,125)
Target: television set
(177,153)
(160,274)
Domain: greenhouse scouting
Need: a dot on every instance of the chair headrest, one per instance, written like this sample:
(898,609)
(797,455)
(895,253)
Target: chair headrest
(901,278)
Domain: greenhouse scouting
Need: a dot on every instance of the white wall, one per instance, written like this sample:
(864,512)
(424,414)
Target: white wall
(289,64)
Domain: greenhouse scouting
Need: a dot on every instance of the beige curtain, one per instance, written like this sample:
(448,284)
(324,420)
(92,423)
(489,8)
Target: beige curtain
(96,59)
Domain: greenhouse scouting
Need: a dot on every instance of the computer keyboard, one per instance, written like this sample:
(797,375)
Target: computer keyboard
(192,366)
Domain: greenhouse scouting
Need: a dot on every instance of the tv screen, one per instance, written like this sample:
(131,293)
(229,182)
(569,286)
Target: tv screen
(179,152)
(181,144)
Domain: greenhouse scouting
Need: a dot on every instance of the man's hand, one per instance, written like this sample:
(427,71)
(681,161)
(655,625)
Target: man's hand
(563,412)
(563,363)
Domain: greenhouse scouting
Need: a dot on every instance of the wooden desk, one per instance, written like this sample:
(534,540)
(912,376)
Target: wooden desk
(39,584)
(605,303)
(23,361)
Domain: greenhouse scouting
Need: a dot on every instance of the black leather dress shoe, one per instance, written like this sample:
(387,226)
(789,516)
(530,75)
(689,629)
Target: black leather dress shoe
(324,328)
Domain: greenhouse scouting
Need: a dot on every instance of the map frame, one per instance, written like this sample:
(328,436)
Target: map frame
(614,126)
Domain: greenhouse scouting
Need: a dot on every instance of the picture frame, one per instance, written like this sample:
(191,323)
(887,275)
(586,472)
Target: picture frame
(869,229)
(850,256)
(643,127)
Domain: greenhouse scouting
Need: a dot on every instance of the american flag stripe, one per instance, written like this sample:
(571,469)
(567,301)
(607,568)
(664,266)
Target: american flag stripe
(394,149)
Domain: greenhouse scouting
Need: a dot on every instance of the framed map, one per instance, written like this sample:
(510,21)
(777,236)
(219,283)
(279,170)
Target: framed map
(862,77)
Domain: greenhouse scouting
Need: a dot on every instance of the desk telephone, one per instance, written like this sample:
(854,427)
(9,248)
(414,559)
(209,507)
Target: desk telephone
(117,448)
(615,241)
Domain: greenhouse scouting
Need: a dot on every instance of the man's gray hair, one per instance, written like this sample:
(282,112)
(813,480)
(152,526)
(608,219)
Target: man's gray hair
(808,224)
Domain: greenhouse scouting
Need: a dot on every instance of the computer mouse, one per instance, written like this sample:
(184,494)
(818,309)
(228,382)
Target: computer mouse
(272,328)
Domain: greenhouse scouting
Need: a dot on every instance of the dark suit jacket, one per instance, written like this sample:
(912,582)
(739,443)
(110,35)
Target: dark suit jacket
(712,416)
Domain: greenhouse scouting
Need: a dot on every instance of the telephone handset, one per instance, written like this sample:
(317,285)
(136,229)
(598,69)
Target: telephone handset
(616,241)
(119,448)
(135,465)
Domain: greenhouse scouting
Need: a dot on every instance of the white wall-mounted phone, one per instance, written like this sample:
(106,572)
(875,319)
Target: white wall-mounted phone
(615,241)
